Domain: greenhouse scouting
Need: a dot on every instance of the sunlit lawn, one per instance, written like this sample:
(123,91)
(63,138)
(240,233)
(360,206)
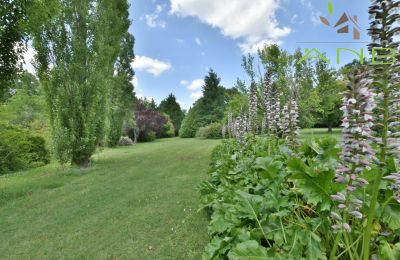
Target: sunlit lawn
(137,202)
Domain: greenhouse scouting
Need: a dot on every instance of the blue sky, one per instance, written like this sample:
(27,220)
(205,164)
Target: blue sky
(178,41)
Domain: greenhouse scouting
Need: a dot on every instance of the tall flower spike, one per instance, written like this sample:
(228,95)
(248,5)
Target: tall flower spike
(275,114)
(357,153)
(289,123)
(264,124)
(241,129)
(253,110)
(223,131)
(230,124)
(267,102)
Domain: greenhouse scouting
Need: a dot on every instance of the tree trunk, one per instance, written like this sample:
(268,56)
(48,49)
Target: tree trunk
(81,162)
(330,128)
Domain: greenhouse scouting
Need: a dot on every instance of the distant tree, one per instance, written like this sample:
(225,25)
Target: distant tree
(276,61)
(153,105)
(26,107)
(329,89)
(150,123)
(172,108)
(76,53)
(121,96)
(208,109)
(306,96)
(13,19)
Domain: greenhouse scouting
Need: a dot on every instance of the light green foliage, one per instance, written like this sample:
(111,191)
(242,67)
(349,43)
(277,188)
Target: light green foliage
(75,77)
(20,149)
(212,131)
(121,94)
(168,130)
(137,202)
(26,108)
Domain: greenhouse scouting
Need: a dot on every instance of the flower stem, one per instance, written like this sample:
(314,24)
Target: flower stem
(378,179)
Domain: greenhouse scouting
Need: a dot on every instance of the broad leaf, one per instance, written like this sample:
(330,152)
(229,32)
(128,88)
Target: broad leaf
(391,216)
(316,186)
(389,252)
(249,250)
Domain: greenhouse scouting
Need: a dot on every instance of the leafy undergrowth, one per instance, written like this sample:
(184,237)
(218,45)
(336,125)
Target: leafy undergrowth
(276,204)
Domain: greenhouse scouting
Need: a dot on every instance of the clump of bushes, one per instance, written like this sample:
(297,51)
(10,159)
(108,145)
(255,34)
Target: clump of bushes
(212,131)
(125,141)
(20,150)
(151,124)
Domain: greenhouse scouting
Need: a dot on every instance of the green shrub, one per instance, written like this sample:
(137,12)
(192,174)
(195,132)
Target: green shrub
(147,136)
(168,130)
(212,131)
(20,150)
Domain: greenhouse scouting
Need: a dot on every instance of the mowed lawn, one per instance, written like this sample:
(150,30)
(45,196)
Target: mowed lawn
(137,202)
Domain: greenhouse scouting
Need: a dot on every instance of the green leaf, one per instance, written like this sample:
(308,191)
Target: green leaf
(316,186)
(271,168)
(218,224)
(330,7)
(389,252)
(214,248)
(314,249)
(249,250)
(391,216)
(248,205)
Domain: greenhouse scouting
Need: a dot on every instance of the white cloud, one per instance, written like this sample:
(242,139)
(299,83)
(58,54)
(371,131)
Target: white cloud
(196,84)
(180,41)
(253,47)
(254,21)
(150,65)
(196,95)
(294,18)
(135,82)
(153,20)
(184,82)
(28,60)
(198,41)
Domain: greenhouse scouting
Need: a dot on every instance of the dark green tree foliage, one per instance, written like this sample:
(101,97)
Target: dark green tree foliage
(329,89)
(208,109)
(12,34)
(77,50)
(171,107)
(121,98)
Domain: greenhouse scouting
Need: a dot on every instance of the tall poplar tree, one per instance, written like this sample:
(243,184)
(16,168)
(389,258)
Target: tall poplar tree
(76,53)
(122,95)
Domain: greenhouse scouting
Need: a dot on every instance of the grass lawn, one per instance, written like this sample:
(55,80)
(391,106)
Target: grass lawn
(320,132)
(137,202)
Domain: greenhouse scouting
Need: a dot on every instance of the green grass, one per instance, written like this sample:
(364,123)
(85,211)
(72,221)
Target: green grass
(137,202)
(319,133)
